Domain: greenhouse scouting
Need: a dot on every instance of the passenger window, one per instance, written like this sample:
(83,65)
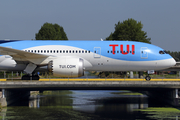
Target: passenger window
(108,51)
(47,51)
(117,51)
(41,51)
(44,51)
(89,51)
(79,51)
(38,51)
(73,51)
(60,51)
(57,51)
(63,51)
(54,51)
(82,51)
(86,51)
(94,51)
(31,50)
(76,51)
(70,51)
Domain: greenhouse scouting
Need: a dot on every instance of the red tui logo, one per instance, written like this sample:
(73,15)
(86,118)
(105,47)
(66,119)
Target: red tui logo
(122,50)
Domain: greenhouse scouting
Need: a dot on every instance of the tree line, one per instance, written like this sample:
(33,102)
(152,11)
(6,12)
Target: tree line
(128,30)
(51,31)
(175,55)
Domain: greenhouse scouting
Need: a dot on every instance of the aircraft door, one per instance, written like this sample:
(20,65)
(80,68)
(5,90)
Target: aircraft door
(97,52)
(144,53)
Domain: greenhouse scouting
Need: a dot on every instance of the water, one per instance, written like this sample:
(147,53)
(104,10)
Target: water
(89,105)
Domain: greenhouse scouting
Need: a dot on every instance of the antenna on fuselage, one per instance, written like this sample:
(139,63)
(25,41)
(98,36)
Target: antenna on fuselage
(102,39)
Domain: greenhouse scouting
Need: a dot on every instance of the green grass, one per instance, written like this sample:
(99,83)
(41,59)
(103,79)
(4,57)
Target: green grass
(161,113)
(165,76)
(127,93)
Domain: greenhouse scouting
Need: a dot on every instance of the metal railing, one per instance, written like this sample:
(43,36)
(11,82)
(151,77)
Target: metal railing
(161,77)
(93,79)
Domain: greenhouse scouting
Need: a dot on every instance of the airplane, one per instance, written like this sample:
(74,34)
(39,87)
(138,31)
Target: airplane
(72,58)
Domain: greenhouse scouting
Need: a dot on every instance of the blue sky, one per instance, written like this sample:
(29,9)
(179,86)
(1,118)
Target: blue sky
(91,19)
